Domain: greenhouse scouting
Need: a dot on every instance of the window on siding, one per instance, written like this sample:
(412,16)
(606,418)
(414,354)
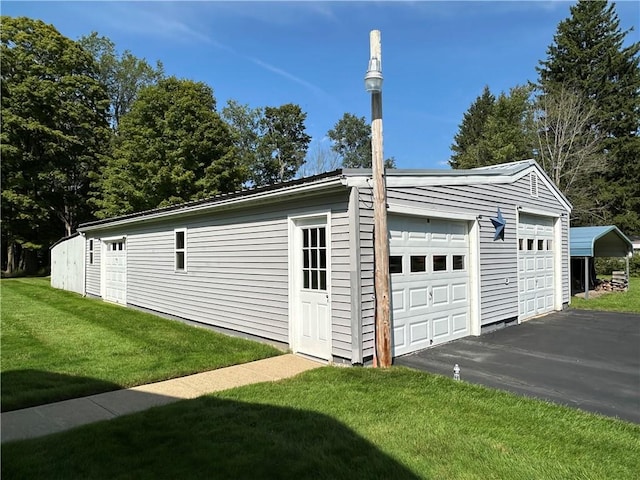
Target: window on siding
(395,264)
(91,252)
(180,249)
(314,258)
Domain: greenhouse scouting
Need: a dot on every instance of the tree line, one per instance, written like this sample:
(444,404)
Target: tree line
(89,132)
(579,120)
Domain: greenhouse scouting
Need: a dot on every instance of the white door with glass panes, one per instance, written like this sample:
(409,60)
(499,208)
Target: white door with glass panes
(312,264)
(429,270)
(535,265)
(115,271)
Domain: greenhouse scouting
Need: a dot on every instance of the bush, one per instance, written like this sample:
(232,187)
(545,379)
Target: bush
(606,265)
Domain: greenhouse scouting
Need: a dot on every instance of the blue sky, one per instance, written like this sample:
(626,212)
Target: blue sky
(436,56)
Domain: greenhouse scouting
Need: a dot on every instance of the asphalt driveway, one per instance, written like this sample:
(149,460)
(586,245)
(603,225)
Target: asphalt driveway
(584,359)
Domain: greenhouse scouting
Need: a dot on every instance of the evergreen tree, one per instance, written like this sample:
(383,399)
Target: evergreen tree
(465,152)
(588,56)
(495,130)
(172,147)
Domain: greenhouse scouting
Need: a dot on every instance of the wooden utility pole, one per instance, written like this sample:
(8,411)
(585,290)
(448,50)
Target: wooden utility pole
(381,232)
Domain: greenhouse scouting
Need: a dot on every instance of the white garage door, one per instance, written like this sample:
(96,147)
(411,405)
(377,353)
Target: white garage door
(115,271)
(429,282)
(535,265)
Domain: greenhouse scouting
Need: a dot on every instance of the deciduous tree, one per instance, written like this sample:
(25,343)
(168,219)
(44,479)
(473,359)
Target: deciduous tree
(123,74)
(569,149)
(282,146)
(172,147)
(54,129)
(351,137)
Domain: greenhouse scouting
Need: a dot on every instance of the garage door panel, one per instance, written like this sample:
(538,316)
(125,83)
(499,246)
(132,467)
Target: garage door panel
(397,298)
(440,327)
(459,292)
(434,295)
(419,298)
(399,340)
(460,322)
(419,332)
(440,295)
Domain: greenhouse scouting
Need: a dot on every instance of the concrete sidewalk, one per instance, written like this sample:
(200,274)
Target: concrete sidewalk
(56,417)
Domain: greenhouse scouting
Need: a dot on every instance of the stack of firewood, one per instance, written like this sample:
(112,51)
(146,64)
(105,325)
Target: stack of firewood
(618,283)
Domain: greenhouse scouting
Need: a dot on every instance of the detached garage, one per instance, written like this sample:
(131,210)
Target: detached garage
(470,250)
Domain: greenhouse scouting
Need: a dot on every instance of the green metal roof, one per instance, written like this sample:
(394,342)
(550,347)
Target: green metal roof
(604,241)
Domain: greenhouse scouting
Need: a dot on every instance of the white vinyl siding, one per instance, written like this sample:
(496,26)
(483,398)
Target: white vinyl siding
(237,268)
(93,272)
(67,264)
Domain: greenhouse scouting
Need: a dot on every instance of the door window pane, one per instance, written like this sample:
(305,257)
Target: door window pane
(540,245)
(458,262)
(549,245)
(314,258)
(418,263)
(395,264)
(520,244)
(439,263)
(530,244)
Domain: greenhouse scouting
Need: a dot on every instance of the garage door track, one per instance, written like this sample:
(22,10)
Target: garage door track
(584,359)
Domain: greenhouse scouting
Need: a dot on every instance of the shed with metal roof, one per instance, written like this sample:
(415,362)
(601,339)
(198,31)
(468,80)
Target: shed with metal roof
(596,241)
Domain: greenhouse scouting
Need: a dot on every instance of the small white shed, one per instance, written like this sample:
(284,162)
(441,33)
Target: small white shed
(67,264)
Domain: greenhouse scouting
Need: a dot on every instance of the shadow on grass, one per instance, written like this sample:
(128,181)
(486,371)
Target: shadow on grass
(205,438)
(28,388)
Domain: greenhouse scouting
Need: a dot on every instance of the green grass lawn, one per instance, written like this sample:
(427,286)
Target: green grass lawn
(613,301)
(58,345)
(339,423)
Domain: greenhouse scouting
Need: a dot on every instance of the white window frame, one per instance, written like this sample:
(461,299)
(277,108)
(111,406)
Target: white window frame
(91,251)
(177,250)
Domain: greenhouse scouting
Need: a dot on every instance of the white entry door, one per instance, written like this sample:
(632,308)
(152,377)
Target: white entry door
(429,281)
(115,271)
(535,265)
(312,273)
